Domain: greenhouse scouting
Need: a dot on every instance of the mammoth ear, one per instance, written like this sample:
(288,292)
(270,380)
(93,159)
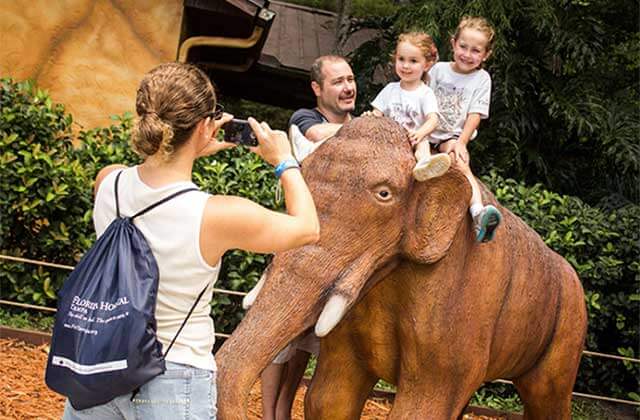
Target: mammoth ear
(437,208)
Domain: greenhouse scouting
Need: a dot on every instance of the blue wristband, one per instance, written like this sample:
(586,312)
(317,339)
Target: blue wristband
(284,165)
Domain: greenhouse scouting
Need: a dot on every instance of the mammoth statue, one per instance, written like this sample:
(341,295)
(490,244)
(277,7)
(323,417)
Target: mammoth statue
(401,291)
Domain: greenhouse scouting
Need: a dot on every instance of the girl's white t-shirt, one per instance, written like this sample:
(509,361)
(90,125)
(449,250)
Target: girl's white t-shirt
(172,231)
(409,108)
(458,95)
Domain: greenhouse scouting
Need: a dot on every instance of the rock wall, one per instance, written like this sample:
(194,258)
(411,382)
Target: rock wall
(89,54)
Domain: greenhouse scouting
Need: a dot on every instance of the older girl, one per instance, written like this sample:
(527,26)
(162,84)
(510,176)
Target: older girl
(463,89)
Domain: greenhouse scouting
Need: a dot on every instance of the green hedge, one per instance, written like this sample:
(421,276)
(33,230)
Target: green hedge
(46,196)
(604,248)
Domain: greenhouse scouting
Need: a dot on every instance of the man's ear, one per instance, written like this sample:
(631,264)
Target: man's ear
(317,89)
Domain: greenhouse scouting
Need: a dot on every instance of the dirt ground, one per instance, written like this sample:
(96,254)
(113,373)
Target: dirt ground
(24,395)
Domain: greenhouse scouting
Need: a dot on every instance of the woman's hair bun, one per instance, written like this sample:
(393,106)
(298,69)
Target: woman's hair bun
(171,99)
(150,133)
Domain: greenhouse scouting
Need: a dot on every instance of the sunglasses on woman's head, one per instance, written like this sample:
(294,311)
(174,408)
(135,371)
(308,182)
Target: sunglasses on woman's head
(216,114)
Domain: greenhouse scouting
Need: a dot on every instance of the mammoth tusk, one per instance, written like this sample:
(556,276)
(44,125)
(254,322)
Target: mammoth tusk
(248,300)
(332,313)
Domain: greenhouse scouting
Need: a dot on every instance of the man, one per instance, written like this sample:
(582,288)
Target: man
(334,85)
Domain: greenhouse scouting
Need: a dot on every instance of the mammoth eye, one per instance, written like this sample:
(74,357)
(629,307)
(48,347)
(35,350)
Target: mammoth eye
(383,193)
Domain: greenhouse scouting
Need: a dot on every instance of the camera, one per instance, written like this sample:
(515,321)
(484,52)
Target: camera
(239,132)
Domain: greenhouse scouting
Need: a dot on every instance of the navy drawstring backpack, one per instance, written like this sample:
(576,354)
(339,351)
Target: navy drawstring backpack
(104,340)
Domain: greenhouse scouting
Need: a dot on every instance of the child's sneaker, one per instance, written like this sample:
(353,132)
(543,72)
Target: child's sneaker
(431,167)
(301,147)
(486,222)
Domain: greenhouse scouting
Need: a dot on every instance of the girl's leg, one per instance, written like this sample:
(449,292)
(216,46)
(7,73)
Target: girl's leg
(485,218)
(423,150)
(476,196)
(428,166)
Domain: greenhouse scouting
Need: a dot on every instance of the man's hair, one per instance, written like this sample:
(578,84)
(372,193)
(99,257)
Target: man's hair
(316,67)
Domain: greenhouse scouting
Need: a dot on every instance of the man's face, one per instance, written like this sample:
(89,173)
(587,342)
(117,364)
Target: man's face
(338,90)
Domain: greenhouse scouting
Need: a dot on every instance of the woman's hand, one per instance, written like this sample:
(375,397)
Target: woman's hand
(211,128)
(273,145)
(457,150)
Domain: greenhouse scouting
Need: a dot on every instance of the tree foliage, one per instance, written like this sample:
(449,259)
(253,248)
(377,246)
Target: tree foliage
(565,97)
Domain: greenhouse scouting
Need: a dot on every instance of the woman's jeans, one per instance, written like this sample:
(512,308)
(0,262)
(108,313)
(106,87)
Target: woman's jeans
(181,392)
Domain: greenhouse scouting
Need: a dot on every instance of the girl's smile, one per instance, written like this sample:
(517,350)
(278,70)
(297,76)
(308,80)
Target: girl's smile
(469,50)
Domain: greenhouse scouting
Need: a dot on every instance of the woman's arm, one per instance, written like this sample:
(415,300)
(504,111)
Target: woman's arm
(237,223)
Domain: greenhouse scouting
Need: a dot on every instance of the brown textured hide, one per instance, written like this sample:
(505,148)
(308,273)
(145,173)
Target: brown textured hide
(450,315)
(89,54)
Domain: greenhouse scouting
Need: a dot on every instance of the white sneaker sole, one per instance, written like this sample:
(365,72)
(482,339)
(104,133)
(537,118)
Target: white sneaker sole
(436,166)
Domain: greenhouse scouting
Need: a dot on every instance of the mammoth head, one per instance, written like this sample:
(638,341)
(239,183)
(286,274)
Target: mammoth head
(362,183)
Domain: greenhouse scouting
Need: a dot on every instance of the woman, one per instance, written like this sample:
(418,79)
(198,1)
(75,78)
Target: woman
(189,234)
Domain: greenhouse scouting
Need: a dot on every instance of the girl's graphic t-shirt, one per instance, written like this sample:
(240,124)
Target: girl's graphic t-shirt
(458,95)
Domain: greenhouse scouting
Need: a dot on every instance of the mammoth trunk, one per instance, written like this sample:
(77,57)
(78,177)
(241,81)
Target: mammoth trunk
(298,288)
(269,326)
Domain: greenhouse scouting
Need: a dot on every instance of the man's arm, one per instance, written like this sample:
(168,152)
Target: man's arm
(312,125)
(322,131)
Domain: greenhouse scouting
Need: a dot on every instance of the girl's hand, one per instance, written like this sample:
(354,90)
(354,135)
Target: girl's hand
(373,113)
(273,145)
(416,136)
(211,128)
(457,150)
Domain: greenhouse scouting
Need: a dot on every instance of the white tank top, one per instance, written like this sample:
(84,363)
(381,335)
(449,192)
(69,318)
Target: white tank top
(172,231)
